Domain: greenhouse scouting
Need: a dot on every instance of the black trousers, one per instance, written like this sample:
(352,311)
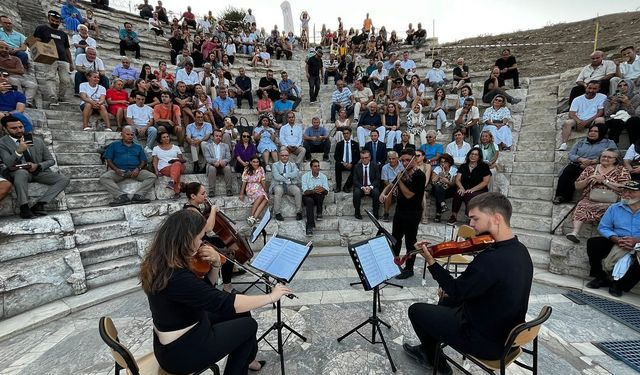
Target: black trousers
(324,147)
(338,169)
(566,182)
(597,249)
(314,88)
(441,194)
(247,95)
(512,74)
(309,201)
(405,224)
(296,100)
(578,90)
(357,198)
(616,126)
(129,47)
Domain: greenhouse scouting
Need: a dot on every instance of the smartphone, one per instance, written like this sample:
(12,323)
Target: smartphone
(23,166)
(28,138)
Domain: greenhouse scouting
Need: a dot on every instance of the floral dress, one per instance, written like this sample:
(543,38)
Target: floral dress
(254,187)
(588,210)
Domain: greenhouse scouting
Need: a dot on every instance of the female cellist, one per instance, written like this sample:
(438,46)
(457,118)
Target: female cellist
(196,325)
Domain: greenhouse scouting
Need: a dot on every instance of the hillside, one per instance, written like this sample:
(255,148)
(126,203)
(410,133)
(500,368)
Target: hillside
(616,31)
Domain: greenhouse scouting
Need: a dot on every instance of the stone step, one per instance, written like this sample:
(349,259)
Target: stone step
(98,252)
(542,193)
(84,200)
(110,271)
(534,239)
(533,155)
(73,147)
(82,171)
(531,144)
(533,167)
(94,215)
(73,136)
(84,185)
(540,258)
(531,206)
(79,158)
(526,179)
(91,233)
(531,222)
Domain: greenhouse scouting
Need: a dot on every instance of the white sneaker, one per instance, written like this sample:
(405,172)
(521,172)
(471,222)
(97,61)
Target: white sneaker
(563,147)
(147,150)
(268,168)
(448,124)
(438,134)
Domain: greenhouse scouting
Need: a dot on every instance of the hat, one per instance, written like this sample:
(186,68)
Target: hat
(53,13)
(631,185)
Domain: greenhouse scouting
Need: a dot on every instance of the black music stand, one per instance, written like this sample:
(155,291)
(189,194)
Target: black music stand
(373,271)
(269,261)
(260,230)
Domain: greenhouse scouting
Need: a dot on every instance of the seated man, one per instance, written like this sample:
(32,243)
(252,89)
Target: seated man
(586,109)
(126,72)
(82,40)
(281,108)
(16,71)
(13,101)
(184,58)
(378,78)
(16,41)
(315,187)
(167,115)
(270,85)
(198,132)
(93,97)
(346,155)
(419,36)
(389,173)
(331,69)
(223,107)
(377,149)
(140,116)
(188,76)
(218,157)
(129,40)
(366,182)
(316,139)
(468,117)
(629,69)
(289,87)
(89,62)
(362,96)
(184,100)
(29,161)
(341,98)
(599,70)
(436,77)
(619,237)
(291,138)
(126,159)
(478,310)
(368,122)
(286,177)
(508,67)
(243,88)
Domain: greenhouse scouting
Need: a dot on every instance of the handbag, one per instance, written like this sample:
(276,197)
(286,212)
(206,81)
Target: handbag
(601,195)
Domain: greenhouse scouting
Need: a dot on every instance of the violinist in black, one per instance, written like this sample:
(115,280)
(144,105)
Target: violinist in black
(410,190)
(195,324)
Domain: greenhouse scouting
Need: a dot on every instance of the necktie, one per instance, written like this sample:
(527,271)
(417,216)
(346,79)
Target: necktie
(284,184)
(26,155)
(347,152)
(375,148)
(365,179)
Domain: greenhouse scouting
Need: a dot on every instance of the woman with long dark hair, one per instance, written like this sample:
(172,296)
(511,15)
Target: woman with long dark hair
(254,188)
(196,325)
(472,179)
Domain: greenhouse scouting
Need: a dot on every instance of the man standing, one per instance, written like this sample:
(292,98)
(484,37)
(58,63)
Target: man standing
(315,187)
(291,138)
(140,116)
(366,180)
(389,173)
(126,72)
(218,156)
(316,139)
(377,149)
(599,70)
(243,83)
(197,133)
(286,177)
(15,41)
(64,65)
(346,155)
(129,40)
(13,66)
(341,98)
(586,109)
(362,96)
(410,190)
(313,71)
(508,67)
(369,121)
(479,309)
(289,87)
(29,161)
(620,234)
(126,159)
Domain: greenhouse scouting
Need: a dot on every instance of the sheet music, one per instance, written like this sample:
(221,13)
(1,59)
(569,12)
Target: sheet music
(280,257)
(376,260)
(369,265)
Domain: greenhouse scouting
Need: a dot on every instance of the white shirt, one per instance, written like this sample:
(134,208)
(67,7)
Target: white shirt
(165,155)
(189,79)
(472,115)
(291,135)
(140,115)
(435,75)
(94,93)
(632,153)
(458,154)
(587,108)
(97,64)
(76,38)
(378,76)
(630,71)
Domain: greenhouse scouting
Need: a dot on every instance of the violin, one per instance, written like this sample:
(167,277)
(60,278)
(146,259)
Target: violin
(448,248)
(200,266)
(404,176)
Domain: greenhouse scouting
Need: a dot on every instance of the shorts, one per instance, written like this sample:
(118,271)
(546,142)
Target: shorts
(168,127)
(94,110)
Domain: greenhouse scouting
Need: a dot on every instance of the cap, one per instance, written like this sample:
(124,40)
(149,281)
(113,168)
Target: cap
(632,185)
(53,13)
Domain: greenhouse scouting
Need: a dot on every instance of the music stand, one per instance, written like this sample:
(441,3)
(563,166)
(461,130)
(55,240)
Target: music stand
(259,229)
(281,259)
(373,260)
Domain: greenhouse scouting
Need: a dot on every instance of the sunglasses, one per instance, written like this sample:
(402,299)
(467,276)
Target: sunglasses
(245,136)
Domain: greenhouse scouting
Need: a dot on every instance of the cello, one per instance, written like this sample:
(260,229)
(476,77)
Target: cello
(238,246)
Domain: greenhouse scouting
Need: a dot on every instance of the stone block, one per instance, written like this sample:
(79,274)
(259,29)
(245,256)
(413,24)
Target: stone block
(568,258)
(532,192)
(85,185)
(93,215)
(532,239)
(73,136)
(108,250)
(534,156)
(82,171)
(72,147)
(531,222)
(13,247)
(114,270)
(92,233)
(162,192)
(535,144)
(55,223)
(526,179)
(145,218)
(78,158)
(533,167)
(130,187)
(531,206)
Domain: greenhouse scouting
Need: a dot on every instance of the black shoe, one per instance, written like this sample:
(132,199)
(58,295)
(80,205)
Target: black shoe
(229,193)
(196,167)
(137,198)
(347,190)
(405,274)
(120,201)
(452,219)
(239,272)
(309,231)
(299,216)
(597,283)
(279,217)
(38,209)
(376,216)
(615,291)
(437,218)
(385,218)
(558,200)
(319,216)
(25,212)
(572,237)
(417,353)
(358,216)
(325,158)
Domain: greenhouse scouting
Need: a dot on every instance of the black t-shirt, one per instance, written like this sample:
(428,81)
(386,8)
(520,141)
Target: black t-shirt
(488,82)
(457,71)
(176,44)
(314,65)
(416,185)
(469,179)
(45,33)
(508,63)
(264,82)
(366,118)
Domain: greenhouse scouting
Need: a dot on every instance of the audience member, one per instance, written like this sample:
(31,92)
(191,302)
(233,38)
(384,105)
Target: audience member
(316,139)
(366,182)
(391,123)
(346,155)
(378,78)
(362,96)
(291,138)
(438,108)
(269,85)
(168,161)
(404,143)
(86,63)
(330,68)
(632,160)
(188,76)
(341,98)
(472,179)
(443,185)
(218,156)
(286,178)
(369,121)
(129,40)
(244,151)
(29,162)
(168,116)
(13,102)
(620,112)
(490,153)
(416,125)
(146,10)
(389,173)
(140,118)
(599,70)
(585,110)
(15,71)
(494,86)
(176,45)
(435,77)
(254,185)
(292,91)
(496,120)
(155,24)
(64,65)
(243,87)
(92,23)
(313,72)
(165,78)
(315,187)
(71,15)
(508,67)
(118,101)
(265,135)
(460,74)
(377,149)
(94,100)
(15,41)
(625,70)
(126,72)
(82,40)
(458,149)
(282,107)
(198,132)
(223,106)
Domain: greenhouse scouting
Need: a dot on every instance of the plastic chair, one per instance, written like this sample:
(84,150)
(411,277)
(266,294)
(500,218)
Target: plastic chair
(522,334)
(124,360)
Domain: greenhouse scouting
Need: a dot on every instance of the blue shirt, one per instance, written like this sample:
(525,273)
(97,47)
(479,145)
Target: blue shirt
(14,40)
(125,157)
(619,221)
(280,106)
(288,86)
(224,106)
(194,133)
(309,182)
(10,99)
(133,36)
(125,74)
(430,151)
(311,132)
(389,173)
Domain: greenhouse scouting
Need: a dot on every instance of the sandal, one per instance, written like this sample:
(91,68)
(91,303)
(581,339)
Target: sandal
(108,129)
(262,363)
(86,128)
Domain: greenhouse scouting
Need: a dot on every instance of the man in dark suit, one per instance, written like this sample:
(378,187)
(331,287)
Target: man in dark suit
(366,182)
(377,149)
(346,161)
(29,162)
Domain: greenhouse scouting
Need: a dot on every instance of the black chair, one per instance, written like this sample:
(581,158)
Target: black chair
(124,360)
(521,335)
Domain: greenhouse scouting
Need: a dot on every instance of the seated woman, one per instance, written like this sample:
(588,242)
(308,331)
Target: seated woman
(188,311)
(472,179)
(202,102)
(265,135)
(118,101)
(244,151)
(254,188)
(168,161)
(609,175)
(342,122)
(265,104)
(624,100)
(496,120)
(632,160)
(165,78)
(391,122)
(584,153)
(404,143)
(458,149)
(93,100)
(490,155)
(439,109)
(433,151)
(465,92)
(416,125)
(146,73)
(398,93)
(494,86)
(416,91)
(71,15)
(443,184)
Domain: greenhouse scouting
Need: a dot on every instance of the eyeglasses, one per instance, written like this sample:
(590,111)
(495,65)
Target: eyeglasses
(429,136)
(498,100)
(245,136)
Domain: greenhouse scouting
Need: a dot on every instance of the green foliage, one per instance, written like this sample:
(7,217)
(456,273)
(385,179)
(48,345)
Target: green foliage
(232,14)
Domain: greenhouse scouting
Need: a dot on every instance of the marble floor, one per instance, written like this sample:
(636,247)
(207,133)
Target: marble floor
(327,308)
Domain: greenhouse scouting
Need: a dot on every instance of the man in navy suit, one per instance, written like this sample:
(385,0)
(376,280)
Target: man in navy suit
(377,149)
(366,182)
(346,161)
